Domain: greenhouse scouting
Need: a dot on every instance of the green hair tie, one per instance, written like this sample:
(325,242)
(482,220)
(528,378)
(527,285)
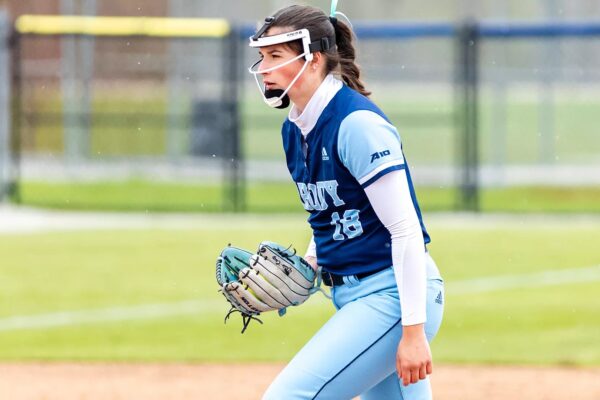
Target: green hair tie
(333,8)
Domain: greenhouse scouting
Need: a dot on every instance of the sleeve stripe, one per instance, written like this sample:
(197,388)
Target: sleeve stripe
(376,171)
(381,173)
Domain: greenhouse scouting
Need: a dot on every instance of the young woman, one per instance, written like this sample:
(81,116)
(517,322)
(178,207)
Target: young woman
(347,161)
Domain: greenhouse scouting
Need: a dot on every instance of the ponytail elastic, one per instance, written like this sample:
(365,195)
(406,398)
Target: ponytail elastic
(333,22)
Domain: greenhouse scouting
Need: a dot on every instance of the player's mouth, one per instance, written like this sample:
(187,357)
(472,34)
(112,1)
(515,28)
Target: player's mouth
(269,85)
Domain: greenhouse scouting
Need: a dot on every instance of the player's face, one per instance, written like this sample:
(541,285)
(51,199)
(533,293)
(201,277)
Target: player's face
(280,78)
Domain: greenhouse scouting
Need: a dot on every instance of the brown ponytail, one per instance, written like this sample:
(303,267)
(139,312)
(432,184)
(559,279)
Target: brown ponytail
(340,58)
(345,56)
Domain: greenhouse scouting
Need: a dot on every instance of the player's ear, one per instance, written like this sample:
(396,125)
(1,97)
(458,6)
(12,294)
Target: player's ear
(317,60)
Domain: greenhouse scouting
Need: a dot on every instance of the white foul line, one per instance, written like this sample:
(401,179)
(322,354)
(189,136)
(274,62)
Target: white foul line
(534,279)
(145,311)
(198,307)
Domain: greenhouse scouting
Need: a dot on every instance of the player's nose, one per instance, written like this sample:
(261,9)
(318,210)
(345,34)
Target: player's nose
(263,66)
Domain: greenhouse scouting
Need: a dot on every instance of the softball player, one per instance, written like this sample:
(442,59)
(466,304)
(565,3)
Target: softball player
(347,161)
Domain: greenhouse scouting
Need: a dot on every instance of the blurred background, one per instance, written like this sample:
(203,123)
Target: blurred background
(134,147)
(496,102)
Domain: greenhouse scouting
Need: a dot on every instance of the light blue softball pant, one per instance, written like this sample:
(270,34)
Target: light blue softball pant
(354,353)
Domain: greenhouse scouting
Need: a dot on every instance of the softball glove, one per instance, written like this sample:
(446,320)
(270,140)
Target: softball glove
(272,279)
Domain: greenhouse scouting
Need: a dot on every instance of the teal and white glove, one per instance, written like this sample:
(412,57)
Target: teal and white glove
(272,279)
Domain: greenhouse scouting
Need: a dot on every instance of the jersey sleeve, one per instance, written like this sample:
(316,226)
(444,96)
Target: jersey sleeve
(369,146)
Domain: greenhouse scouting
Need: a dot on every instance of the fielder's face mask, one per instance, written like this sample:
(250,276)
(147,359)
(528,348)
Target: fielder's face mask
(278,98)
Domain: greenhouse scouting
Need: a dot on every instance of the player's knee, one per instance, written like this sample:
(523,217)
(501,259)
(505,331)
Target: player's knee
(290,389)
(276,391)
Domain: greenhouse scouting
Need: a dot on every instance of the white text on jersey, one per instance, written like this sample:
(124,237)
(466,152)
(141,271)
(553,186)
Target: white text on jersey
(313,195)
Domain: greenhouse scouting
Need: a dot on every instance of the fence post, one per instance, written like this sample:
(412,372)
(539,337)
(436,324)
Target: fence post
(5,65)
(468,88)
(235,187)
(77,63)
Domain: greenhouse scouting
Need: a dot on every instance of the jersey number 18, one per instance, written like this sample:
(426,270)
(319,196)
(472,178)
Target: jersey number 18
(347,227)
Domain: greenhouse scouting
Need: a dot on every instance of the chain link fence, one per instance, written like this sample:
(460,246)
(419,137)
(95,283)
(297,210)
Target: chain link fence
(93,107)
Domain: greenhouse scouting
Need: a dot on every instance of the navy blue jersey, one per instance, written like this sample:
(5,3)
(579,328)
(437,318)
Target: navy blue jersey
(344,154)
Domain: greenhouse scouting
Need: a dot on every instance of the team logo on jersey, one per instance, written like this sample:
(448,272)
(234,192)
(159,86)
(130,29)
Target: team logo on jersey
(379,154)
(314,195)
(439,299)
(324,154)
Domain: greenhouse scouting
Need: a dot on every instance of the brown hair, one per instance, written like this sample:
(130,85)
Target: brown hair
(340,58)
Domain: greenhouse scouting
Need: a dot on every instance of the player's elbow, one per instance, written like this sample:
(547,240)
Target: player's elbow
(405,228)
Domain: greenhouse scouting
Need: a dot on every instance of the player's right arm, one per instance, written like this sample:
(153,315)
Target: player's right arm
(371,149)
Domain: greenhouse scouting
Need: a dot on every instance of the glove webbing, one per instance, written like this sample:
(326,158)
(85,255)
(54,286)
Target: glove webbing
(246,318)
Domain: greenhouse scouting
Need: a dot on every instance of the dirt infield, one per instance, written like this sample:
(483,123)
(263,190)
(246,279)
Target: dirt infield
(182,381)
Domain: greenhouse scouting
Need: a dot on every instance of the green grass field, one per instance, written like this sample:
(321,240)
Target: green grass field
(87,271)
(281,197)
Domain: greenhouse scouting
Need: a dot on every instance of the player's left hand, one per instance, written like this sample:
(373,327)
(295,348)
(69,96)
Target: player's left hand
(272,279)
(413,359)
